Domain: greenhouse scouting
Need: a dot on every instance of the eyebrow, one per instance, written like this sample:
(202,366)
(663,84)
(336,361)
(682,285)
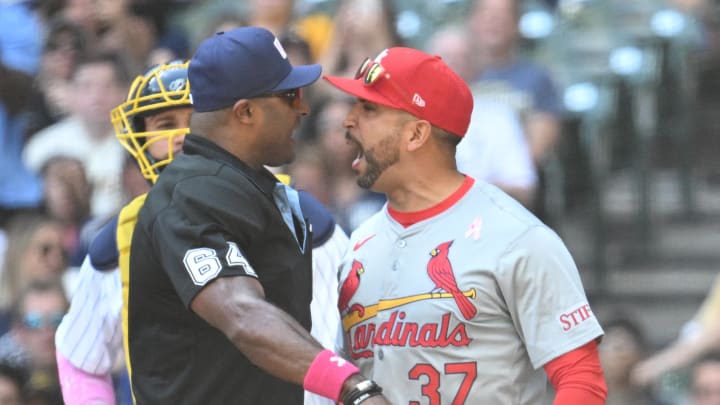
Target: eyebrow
(169,118)
(162,117)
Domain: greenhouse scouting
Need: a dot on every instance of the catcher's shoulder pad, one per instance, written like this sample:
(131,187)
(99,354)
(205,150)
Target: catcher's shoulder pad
(323,223)
(103,249)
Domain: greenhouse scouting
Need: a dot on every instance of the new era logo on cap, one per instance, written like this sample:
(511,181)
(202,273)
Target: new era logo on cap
(416,82)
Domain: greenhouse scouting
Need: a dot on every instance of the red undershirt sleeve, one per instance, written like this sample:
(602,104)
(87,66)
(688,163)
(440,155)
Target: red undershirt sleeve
(578,377)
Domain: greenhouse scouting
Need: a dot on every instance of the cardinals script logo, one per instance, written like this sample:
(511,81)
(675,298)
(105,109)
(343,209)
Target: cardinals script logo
(397,329)
(441,273)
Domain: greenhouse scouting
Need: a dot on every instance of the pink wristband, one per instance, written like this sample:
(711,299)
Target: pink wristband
(80,387)
(327,373)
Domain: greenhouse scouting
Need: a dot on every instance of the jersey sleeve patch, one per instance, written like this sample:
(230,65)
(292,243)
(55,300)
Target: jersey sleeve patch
(103,249)
(574,316)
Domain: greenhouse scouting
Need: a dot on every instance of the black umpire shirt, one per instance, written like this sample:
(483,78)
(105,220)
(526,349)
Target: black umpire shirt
(208,216)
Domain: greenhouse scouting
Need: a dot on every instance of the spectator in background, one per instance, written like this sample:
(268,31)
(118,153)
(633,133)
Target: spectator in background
(623,346)
(275,15)
(12,381)
(47,10)
(50,98)
(296,47)
(223,21)
(31,340)
(279,16)
(495,129)
(360,29)
(120,30)
(98,84)
(350,204)
(82,13)
(705,381)
(20,48)
(171,46)
(451,43)
(699,336)
(67,199)
(298,51)
(170,35)
(310,172)
(35,251)
(501,74)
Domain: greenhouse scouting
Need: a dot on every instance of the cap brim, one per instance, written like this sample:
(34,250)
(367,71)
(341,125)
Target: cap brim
(299,76)
(356,88)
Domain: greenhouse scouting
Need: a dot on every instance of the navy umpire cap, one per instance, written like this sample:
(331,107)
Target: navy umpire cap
(242,63)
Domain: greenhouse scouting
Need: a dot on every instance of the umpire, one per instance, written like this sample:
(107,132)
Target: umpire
(220,266)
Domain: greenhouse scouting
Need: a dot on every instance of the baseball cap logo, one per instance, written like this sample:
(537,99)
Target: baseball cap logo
(418,101)
(177,84)
(280,48)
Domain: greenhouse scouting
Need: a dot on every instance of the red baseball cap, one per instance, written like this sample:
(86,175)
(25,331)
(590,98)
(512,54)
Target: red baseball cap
(416,82)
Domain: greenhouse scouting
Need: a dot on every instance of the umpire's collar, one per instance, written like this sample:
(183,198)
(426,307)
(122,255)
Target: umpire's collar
(199,145)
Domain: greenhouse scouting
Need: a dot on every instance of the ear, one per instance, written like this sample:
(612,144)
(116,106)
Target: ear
(244,111)
(419,135)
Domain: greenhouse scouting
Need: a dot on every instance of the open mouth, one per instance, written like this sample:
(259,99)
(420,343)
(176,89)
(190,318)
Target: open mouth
(358,150)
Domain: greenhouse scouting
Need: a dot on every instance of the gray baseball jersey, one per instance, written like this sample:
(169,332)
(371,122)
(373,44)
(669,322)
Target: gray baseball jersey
(464,306)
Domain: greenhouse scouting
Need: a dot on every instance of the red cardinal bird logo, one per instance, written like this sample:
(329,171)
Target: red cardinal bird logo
(441,273)
(348,289)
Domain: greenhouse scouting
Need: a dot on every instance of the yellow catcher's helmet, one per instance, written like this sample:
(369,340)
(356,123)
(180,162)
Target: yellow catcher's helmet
(163,87)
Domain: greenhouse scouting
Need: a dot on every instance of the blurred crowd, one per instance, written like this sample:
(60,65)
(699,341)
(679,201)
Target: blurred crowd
(64,64)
